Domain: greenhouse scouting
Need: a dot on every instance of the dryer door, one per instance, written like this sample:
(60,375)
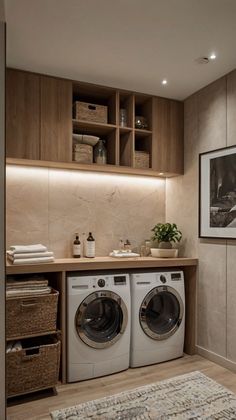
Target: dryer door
(161,312)
(101,319)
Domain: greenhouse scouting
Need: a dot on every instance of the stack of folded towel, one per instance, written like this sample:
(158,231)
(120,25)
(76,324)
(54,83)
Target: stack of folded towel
(13,346)
(28,287)
(29,254)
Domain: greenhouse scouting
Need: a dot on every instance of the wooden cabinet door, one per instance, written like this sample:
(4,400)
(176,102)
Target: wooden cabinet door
(56,120)
(168,136)
(22,114)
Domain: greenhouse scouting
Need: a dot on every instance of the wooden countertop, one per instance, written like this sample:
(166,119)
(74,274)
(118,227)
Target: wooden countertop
(99,263)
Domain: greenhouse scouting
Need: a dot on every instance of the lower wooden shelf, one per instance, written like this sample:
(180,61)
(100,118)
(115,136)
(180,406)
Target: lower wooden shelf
(93,167)
(20,337)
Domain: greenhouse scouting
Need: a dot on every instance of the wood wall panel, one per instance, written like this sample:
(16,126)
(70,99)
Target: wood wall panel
(56,119)
(212,253)
(181,191)
(231,244)
(22,115)
(231,109)
(207,128)
(168,136)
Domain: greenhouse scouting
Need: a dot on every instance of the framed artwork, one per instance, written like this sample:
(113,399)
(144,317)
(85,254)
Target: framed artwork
(217,194)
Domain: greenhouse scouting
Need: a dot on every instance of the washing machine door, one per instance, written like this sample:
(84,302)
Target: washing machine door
(161,312)
(101,319)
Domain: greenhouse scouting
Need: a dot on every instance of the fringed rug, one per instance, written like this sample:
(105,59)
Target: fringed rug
(193,396)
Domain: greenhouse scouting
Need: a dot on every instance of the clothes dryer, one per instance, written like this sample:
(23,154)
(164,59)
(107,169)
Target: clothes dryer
(158,317)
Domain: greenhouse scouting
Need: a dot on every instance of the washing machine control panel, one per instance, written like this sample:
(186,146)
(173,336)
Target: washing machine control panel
(176,276)
(101,283)
(162,279)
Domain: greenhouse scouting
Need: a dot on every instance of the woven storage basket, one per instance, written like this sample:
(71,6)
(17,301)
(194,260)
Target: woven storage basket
(33,368)
(90,112)
(27,316)
(142,159)
(83,153)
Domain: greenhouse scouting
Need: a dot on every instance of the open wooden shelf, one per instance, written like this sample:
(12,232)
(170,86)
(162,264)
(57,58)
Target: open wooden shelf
(142,133)
(124,130)
(42,131)
(89,127)
(20,337)
(116,169)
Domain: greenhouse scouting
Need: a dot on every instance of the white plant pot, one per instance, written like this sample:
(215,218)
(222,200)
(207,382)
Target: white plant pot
(164,253)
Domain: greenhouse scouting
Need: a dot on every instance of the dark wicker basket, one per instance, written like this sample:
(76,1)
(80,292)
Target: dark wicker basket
(27,316)
(33,368)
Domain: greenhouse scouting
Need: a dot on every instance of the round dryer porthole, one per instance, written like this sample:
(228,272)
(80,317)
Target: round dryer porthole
(161,312)
(101,319)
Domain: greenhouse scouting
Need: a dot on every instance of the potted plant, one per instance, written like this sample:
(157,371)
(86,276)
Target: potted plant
(164,234)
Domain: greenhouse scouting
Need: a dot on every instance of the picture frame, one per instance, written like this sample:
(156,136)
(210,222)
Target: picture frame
(217,193)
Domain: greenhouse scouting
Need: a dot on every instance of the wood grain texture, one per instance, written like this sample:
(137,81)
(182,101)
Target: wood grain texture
(56,119)
(231,107)
(73,394)
(100,263)
(190,276)
(62,317)
(123,170)
(127,149)
(52,126)
(168,136)
(22,114)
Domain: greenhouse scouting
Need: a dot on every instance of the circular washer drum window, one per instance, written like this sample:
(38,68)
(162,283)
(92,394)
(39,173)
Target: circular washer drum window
(161,312)
(101,319)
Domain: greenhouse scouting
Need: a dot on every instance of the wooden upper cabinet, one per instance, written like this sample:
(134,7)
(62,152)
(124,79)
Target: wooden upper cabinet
(168,136)
(56,119)
(22,114)
(39,125)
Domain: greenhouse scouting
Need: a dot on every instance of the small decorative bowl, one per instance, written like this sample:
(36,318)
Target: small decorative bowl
(164,253)
(141,122)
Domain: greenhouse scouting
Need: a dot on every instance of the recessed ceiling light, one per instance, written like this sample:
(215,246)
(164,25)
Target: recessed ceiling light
(164,82)
(202,60)
(212,56)
(161,173)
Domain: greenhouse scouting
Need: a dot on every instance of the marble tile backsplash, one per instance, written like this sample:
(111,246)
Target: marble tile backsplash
(49,206)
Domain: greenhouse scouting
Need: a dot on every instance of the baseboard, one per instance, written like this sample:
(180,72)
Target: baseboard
(214,357)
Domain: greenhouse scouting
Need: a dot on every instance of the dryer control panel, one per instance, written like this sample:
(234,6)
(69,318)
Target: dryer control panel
(78,284)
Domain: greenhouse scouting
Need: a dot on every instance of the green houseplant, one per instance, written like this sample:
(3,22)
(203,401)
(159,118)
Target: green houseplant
(165,234)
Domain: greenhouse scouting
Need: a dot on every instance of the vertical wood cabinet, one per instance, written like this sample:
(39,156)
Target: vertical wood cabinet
(22,115)
(56,119)
(40,125)
(38,117)
(168,144)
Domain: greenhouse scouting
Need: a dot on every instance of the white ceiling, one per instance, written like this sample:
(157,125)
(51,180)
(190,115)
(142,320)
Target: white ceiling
(130,44)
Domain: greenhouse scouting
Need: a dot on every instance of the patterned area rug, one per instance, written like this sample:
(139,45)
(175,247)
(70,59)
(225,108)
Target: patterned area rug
(193,396)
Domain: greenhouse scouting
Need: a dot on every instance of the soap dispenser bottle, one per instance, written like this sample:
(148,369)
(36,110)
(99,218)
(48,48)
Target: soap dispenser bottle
(90,246)
(76,247)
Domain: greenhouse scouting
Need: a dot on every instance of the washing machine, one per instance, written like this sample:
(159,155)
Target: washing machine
(158,317)
(98,325)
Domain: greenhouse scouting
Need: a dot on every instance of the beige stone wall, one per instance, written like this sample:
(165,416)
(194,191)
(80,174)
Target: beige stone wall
(210,123)
(49,206)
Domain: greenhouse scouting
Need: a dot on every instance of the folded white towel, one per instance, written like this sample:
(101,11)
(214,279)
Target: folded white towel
(31,282)
(18,249)
(22,261)
(86,139)
(124,254)
(17,346)
(13,255)
(9,346)
(28,292)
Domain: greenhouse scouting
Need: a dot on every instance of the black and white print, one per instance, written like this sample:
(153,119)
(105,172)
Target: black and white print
(217,200)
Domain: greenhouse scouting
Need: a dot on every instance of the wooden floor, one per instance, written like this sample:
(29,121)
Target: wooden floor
(76,393)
